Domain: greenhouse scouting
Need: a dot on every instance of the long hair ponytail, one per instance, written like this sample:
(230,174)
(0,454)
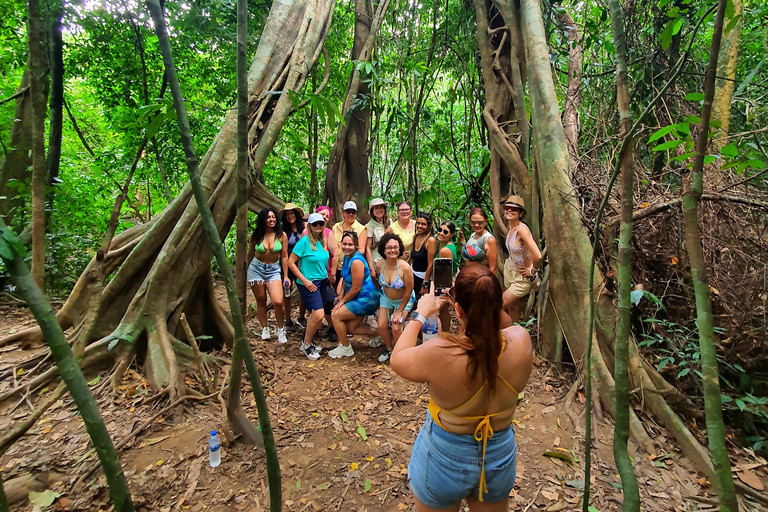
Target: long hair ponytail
(478,292)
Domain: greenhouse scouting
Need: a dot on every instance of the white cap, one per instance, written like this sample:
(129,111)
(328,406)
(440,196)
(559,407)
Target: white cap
(315,217)
(350,205)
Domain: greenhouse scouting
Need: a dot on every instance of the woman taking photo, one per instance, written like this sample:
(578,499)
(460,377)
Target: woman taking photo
(268,254)
(375,228)
(396,297)
(358,297)
(423,253)
(474,379)
(521,268)
(404,227)
(293,226)
(481,246)
(309,263)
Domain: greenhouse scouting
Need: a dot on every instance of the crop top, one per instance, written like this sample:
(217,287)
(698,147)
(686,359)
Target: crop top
(519,254)
(474,249)
(397,283)
(464,413)
(260,246)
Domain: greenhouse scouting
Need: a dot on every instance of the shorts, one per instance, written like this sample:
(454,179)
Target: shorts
(317,299)
(515,283)
(260,272)
(392,304)
(445,467)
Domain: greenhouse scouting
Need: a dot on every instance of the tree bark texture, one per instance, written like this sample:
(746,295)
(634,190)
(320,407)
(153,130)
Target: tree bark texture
(37,68)
(631,501)
(726,70)
(161,269)
(18,161)
(70,373)
(346,177)
(704,321)
(242,156)
(573,92)
(503,64)
(56,101)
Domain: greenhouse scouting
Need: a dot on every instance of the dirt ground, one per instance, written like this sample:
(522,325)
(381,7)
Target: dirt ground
(344,430)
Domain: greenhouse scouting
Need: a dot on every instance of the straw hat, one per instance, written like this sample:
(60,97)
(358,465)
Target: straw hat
(516,201)
(376,201)
(292,206)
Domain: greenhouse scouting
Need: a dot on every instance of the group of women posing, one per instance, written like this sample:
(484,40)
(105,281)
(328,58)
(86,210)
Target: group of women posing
(352,271)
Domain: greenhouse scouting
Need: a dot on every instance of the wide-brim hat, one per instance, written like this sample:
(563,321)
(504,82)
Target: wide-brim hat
(292,206)
(376,201)
(516,201)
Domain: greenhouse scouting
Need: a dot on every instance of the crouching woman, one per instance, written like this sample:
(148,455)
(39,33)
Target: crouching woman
(466,448)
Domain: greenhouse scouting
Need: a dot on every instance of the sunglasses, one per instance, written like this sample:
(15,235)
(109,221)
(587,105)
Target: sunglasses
(350,211)
(406,210)
(444,231)
(318,223)
(511,209)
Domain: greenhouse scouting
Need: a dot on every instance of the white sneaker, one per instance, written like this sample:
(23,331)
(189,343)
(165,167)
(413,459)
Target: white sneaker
(265,334)
(310,351)
(341,351)
(280,331)
(375,342)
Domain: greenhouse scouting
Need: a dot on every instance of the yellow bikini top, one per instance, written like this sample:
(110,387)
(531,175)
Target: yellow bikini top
(483,429)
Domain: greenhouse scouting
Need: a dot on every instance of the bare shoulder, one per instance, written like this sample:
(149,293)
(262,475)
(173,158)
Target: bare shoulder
(518,356)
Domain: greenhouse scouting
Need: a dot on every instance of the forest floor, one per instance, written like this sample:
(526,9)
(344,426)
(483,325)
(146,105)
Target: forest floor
(344,430)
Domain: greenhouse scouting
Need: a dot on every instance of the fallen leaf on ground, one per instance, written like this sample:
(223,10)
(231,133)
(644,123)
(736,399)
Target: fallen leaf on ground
(751,480)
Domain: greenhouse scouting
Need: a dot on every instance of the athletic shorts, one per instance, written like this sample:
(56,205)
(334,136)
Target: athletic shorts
(445,467)
(391,305)
(260,272)
(518,285)
(317,299)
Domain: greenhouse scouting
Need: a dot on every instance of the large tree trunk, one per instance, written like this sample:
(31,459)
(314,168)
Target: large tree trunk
(37,67)
(161,269)
(18,159)
(347,174)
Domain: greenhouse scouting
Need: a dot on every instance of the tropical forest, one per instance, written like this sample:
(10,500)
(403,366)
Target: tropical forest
(237,236)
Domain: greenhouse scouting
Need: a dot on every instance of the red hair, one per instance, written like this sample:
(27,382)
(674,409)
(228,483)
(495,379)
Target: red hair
(478,292)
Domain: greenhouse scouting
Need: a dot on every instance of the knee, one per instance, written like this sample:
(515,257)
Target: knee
(317,315)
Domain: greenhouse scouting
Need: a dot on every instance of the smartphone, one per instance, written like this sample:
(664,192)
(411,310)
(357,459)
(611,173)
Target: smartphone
(442,275)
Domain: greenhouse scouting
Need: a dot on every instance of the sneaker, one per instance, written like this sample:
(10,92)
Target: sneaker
(375,342)
(290,326)
(281,335)
(310,351)
(384,357)
(265,334)
(341,351)
(302,322)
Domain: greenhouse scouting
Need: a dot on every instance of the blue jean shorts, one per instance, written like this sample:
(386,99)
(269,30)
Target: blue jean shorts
(260,272)
(445,467)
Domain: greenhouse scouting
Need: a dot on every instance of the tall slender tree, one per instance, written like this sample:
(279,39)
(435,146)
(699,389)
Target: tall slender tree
(37,72)
(631,501)
(694,188)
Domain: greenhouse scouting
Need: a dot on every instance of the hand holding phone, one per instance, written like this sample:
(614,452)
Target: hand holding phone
(442,275)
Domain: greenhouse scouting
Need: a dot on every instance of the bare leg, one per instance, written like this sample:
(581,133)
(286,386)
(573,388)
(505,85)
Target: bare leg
(276,294)
(287,308)
(361,328)
(313,323)
(260,293)
(340,319)
(384,328)
(512,305)
(420,507)
(480,506)
(397,330)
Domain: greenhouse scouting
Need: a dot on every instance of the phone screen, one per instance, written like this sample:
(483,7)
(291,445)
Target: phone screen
(443,274)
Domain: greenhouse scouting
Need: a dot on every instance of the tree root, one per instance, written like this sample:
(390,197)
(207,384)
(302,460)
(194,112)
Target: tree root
(11,437)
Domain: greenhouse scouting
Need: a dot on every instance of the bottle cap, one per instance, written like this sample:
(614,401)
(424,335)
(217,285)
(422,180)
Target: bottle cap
(213,433)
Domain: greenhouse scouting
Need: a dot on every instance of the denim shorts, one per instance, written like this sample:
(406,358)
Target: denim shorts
(445,467)
(392,304)
(260,272)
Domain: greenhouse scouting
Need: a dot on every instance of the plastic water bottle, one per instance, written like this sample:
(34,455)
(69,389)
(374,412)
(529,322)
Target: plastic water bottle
(429,329)
(287,288)
(214,450)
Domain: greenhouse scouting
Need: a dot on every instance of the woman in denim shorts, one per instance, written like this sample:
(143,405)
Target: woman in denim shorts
(268,254)
(466,448)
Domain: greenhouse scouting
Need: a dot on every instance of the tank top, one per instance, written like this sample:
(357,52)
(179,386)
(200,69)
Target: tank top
(519,254)
(474,249)
(454,257)
(293,238)
(419,257)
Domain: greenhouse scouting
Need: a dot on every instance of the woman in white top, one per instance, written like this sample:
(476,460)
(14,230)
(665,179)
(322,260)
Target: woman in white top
(524,257)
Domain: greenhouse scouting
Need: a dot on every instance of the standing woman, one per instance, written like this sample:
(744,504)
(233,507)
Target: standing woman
(481,246)
(268,254)
(350,223)
(423,253)
(404,227)
(524,257)
(358,297)
(309,263)
(447,249)
(333,257)
(375,228)
(293,227)
(466,448)
(396,296)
